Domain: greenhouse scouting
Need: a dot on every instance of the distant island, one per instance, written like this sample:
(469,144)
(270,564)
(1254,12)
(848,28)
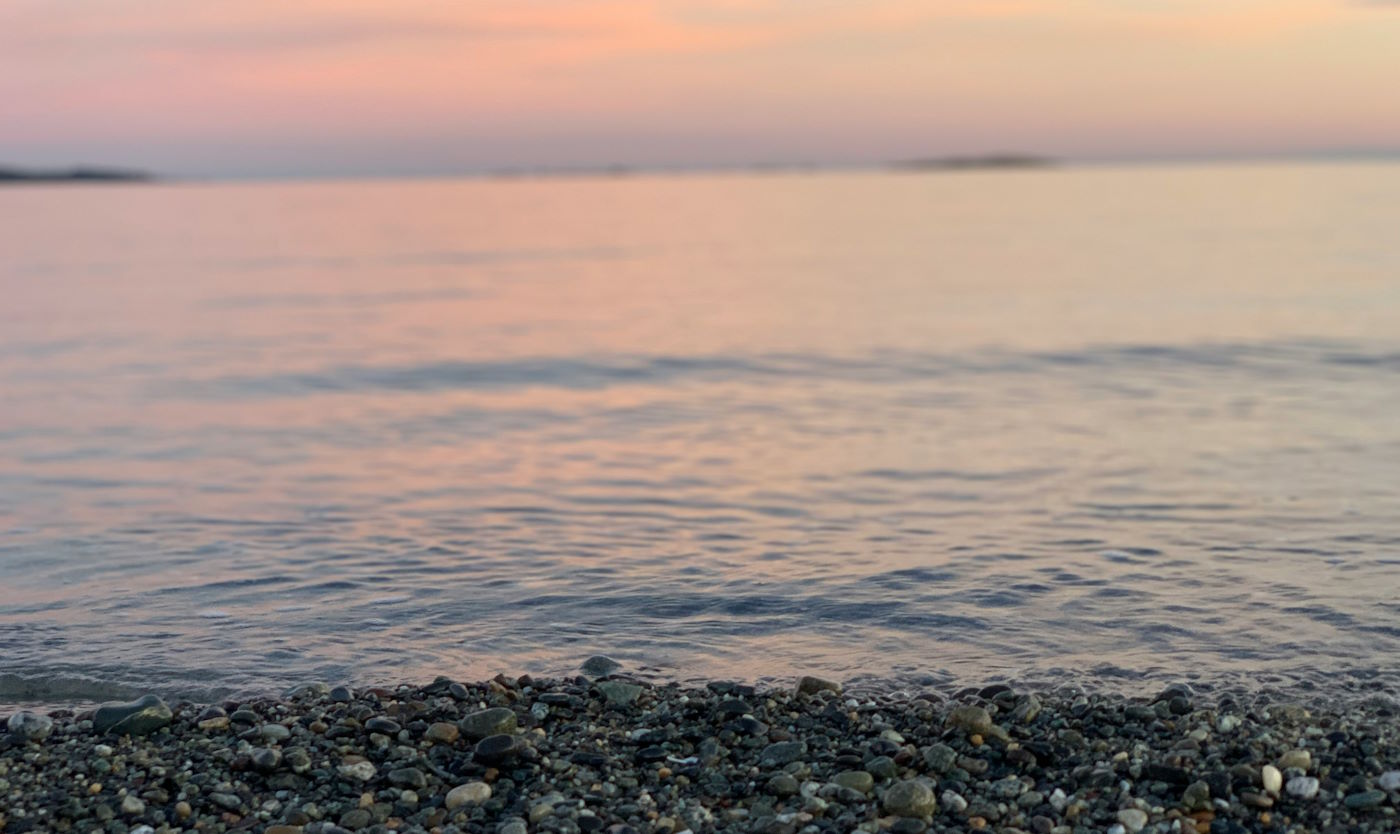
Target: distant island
(76,174)
(965,163)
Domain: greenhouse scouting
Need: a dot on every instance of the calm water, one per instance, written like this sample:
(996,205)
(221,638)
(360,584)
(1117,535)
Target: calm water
(1111,426)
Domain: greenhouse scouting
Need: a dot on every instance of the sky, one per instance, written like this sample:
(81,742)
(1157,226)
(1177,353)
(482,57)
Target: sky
(325,87)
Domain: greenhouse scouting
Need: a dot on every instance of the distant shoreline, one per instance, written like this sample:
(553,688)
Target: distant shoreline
(78,174)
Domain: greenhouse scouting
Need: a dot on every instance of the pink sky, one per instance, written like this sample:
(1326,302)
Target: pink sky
(408,86)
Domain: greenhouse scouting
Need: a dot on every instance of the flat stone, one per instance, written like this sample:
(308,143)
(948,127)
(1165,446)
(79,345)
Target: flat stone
(599,666)
(442,732)
(1300,759)
(30,726)
(1132,819)
(472,793)
(274,732)
(141,717)
(488,722)
(811,685)
(227,801)
(781,753)
(408,777)
(307,690)
(495,749)
(620,693)
(1365,800)
(856,780)
(910,798)
(380,724)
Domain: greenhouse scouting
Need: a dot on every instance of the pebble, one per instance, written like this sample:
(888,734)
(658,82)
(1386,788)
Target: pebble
(29,726)
(441,732)
(141,717)
(1271,778)
(856,780)
(1133,819)
(274,732)
(359,771)
(1365,800)
(910,798)
(600,666)
(383,726)
(132,805)
(811,685)
(472,793)
(495,749)
(488,722)
(620,693)
(1390,780)
(1300,759)
(1303,787)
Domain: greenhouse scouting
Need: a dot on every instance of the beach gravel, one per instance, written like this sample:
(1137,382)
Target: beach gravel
(520,755)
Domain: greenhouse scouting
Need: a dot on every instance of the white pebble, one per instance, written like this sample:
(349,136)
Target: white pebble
(1058,800)
(1133,819)
(1227,723)
(1390,780)
(1115,829)
(1303,787)
(1272,778)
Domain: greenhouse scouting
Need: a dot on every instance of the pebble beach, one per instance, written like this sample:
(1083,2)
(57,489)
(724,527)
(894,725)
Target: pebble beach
(604,751)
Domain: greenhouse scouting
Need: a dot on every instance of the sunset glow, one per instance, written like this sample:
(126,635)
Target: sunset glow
(410,86)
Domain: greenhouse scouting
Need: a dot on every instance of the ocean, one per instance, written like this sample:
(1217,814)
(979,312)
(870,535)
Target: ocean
(1105,426)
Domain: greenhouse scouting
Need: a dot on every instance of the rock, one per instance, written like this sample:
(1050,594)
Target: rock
(342,695)
(274,732)
(442,732)
(227,801)
(910,798)
(307,690)
(1271,779)
(783,785)
(620,693)
(360,771)
(488,722)
(265,759)
(1196,797)
(408,777)
(516,826)
(30,726)
(495,749)
(781,753)
(1027,711)
(1390,780)
(599,666)
(472,793)
(384,726)
(856,780)
(1303,787)
(141,717)
(132,805)
(1300,759)
(954,801)
(940,758)
(1132,819)
(1365,800)
(810,685)
(974,720)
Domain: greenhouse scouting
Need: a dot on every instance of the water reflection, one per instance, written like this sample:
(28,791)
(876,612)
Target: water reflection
(1062,424)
